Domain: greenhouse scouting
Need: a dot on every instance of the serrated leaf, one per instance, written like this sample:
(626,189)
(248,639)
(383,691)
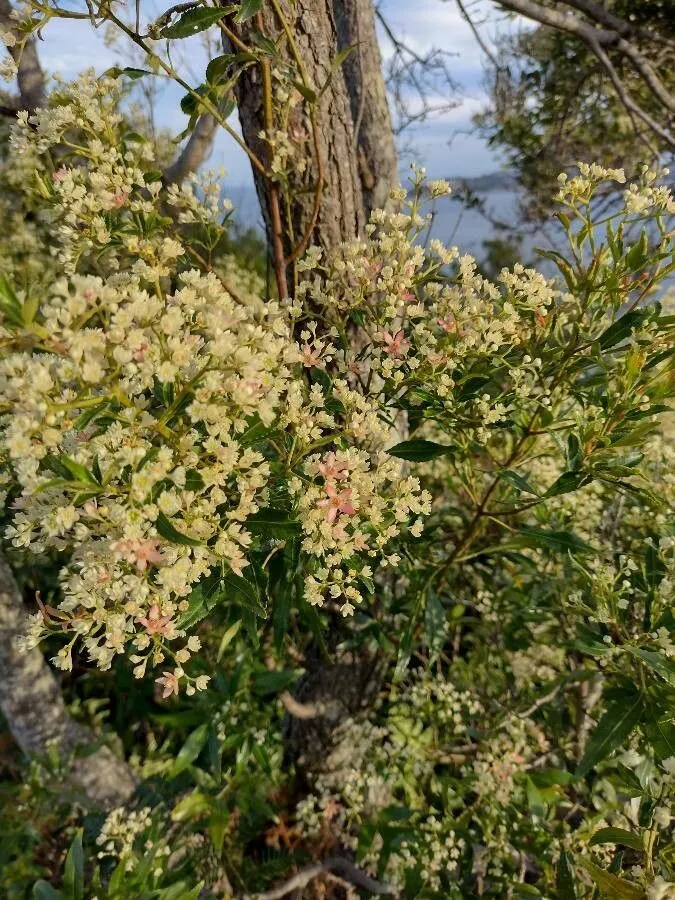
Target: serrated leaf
(192,21)
(247,9)
(617,836)
(615,726)
(611,885)
(190,750)
(419,450)
(170,533)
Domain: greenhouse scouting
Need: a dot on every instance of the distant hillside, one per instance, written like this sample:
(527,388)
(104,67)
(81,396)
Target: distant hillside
(482,184)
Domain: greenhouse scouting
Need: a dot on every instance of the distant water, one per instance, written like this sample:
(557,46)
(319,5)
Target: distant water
(453,223)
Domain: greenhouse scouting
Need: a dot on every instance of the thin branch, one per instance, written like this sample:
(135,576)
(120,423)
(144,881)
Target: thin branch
(335,864)
(597,38)
(477,35)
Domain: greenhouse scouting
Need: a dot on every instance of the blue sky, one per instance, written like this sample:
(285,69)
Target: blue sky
(71,46)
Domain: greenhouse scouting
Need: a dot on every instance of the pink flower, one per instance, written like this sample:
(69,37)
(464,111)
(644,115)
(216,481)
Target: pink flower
(139,553)
(333,468)
(60,174)
(169,684)
(155,623)
(336,502)
(395,345)
(448,324)
(139,353)
(409,297)
(119,199)
(310,357)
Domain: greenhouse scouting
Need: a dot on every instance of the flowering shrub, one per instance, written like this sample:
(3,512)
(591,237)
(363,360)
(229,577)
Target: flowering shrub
(471,482)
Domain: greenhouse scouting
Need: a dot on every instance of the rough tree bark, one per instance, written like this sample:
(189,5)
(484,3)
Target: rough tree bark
(353,134)
(31,701)
(30,77)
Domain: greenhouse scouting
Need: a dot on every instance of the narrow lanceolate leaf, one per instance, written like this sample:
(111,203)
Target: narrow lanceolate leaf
(73,877)
(276,523)
(42,890)
(611,885)
(193,21)
(420,451)
(190,750)
(564,879)
(557,541)
(612,730)
(657,662)
(617,836)
(168,531)
(568,482)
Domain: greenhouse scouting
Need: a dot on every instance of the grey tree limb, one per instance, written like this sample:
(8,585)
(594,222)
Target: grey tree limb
(32,704)
(598,37)
(194,153)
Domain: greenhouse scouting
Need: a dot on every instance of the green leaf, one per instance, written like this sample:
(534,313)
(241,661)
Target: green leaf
(245,592)
(190,750)
(567,483)
(518,481)
(129,71)
(419,450)
(557,541)
(535,800)
(434,625)
(201,601)
(192,21)
(612,886)
(227,639)
(575,453)
(273,523)
(612,730)
(273,682)
(193,481)
(657,662)
(617,836)
(73,876)
(564,879)
(247,10)
(66,467)
(170,533)
(42,890)
(621,329)
(218,822)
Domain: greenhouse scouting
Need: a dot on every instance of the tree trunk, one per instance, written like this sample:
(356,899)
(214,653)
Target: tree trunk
(31,701)
(350,147)
(30,77)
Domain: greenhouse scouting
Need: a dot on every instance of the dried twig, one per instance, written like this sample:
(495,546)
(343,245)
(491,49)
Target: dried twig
(335,864)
